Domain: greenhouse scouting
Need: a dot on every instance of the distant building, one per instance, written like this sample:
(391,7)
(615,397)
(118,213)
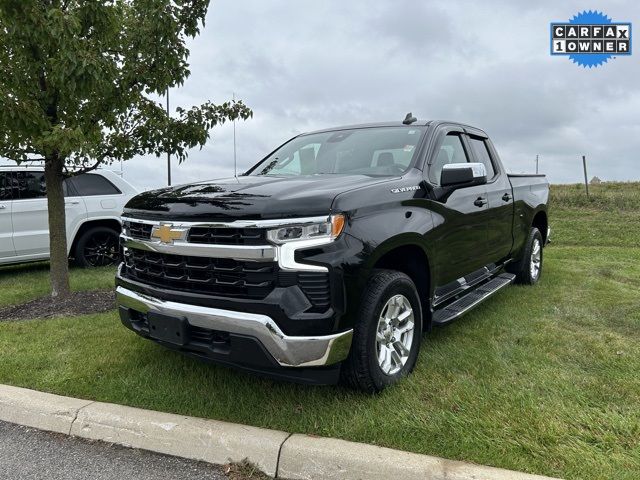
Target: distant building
(595,181)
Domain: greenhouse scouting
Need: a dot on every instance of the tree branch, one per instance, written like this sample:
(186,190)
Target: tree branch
(81,170)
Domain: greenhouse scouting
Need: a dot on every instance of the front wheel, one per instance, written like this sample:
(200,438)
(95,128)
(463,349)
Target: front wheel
(387,334)
(97,247)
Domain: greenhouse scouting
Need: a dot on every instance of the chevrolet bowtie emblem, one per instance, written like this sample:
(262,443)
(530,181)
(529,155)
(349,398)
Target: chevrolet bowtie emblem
(166,233)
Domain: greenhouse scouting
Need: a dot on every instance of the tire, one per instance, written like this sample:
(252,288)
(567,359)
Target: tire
(525,271)
(97,247)
(364,368)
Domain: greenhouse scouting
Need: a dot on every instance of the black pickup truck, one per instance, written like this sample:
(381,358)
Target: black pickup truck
(329,258)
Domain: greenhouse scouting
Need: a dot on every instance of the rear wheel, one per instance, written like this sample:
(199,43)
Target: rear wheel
(387,334)
(529,269)
(97,247)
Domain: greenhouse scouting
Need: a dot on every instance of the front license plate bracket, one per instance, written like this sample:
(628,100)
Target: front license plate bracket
(168,329)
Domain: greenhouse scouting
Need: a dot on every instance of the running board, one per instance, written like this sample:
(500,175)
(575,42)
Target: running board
(471,299)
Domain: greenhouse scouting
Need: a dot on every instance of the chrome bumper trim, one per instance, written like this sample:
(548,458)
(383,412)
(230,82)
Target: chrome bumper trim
(260,253)
(288,351)
(286,254)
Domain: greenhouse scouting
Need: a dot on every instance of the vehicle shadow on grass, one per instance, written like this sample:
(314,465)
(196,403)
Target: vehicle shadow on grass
(33,267)
(22,268)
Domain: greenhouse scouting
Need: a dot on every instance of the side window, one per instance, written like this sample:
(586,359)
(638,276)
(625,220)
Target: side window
(30,185)
(481,154)
(451,151)
(90,184)
(5,187)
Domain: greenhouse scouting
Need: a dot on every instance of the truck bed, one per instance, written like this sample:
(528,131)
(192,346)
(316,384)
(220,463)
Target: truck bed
(533,188)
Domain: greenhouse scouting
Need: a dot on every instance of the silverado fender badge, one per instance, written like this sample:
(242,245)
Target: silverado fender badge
(405,189)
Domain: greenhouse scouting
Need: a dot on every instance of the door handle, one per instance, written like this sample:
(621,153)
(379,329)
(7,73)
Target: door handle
(480,202)
(506,197)
(2,207)
(73,202)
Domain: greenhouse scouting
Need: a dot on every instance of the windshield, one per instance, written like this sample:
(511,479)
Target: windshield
(366,151)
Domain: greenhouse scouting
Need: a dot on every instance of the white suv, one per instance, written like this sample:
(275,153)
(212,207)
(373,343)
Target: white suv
(93,201)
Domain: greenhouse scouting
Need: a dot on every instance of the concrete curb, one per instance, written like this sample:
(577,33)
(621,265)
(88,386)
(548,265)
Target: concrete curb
(39,410)
(279,454)
(304,457)
(188,437)
(195,438)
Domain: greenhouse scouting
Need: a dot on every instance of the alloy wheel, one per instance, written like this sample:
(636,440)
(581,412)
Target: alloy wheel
(394,334)
(101,250)
(536,259)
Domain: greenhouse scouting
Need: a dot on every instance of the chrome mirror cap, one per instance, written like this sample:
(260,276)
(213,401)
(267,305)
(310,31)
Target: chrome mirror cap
(478,169)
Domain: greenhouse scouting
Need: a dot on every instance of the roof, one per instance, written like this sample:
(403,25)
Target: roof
(398,123)
(20,168)
(40,167)
(371,125)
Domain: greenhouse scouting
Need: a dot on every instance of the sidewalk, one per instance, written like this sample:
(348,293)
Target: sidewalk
(279,454)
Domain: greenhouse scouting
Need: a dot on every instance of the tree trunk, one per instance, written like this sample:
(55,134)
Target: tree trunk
(59,263)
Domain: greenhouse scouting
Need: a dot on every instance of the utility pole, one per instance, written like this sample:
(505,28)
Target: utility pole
(584,165)
(536,164)
(168,153)
(235,160)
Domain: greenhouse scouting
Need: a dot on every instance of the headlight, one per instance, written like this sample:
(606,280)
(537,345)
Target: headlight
(291,233)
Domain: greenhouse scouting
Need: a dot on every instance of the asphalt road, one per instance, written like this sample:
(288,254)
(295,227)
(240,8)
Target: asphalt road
(27,454)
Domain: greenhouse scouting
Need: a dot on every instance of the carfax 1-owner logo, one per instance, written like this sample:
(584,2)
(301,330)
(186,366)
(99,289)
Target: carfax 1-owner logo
(591,38)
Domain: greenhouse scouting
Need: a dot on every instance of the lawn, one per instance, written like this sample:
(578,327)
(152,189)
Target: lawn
(541,379)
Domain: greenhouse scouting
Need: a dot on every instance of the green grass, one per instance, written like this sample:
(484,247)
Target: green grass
(21,283)
(541,379)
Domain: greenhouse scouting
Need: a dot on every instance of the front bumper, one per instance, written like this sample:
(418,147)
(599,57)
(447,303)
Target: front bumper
(282,350)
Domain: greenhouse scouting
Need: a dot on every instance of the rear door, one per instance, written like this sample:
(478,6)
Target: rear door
(500,196)
(461,238)
(30,219)
(6,228)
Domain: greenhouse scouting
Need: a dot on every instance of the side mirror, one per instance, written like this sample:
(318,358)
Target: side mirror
(460,175)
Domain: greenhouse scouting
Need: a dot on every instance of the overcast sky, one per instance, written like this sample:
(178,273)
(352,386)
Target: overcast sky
(307,64)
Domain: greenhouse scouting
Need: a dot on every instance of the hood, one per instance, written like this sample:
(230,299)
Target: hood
(248,197)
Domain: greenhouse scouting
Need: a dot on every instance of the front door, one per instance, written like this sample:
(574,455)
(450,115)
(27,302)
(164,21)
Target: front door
(460,236)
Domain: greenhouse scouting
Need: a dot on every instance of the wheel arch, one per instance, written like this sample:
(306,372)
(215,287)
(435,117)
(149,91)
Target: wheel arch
(409,257)
(541,222)
(109,222)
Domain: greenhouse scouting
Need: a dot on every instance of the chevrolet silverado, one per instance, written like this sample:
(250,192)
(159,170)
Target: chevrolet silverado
(330,257)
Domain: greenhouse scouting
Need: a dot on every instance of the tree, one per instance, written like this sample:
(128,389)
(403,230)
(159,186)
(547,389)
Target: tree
(77,79)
